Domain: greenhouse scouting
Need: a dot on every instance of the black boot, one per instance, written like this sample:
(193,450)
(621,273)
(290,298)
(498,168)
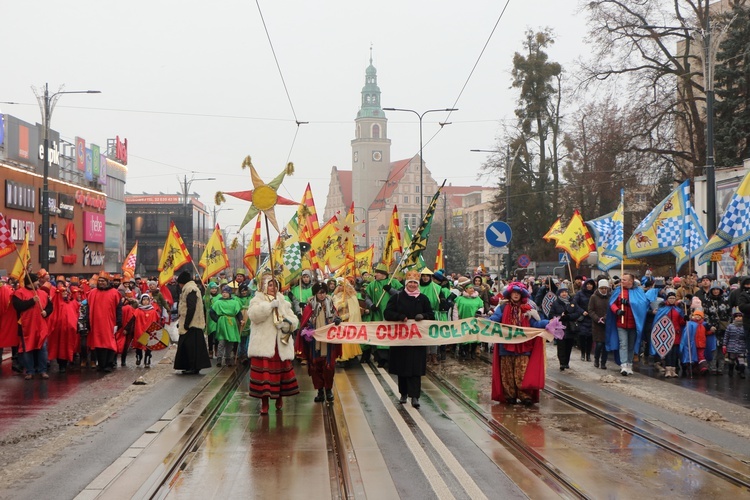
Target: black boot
(138,357)
(320,397)
(730,369)
(147,359)
(741,371)
(329,395)
(588,357)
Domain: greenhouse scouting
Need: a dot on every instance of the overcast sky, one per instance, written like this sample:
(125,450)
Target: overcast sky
(194,88)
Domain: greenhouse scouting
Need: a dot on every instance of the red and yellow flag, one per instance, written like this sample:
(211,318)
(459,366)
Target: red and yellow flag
(363,260)
(307,217)
(128,267)
(576,239)
(7,245)
(214,259)
(439,260)
(393,240)
(554,232)
(252,254)
(20,268)
(173,256)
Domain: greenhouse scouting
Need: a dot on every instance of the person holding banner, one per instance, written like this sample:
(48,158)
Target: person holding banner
(409,363)
(379,291)
(144,316)
(321,356)
(518,369)
(271,347)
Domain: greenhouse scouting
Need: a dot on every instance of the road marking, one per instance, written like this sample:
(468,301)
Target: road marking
(433,476)
(454,465)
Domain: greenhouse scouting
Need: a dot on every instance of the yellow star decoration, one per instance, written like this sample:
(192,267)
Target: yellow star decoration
(348,228)
(264,197)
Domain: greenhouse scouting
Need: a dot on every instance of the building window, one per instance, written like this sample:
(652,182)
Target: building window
(406,199)
(376,131)
(416,189)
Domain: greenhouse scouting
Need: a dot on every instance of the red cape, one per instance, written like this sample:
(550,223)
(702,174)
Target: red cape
(8,318)
(63,325)
(103,318)
(33,325)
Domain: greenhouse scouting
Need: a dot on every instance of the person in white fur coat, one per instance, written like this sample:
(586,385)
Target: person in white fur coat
(271,348)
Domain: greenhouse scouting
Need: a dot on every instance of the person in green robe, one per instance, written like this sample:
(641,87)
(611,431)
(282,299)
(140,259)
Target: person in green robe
(436,295)
(227,313)
(468,304)
(244,296)
(208,300)
(379,291)
(301,293)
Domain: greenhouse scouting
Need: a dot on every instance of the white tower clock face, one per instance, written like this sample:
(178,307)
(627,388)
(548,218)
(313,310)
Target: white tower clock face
(377,156)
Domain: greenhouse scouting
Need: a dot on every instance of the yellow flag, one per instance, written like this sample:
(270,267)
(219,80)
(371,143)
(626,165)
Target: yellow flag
(252,254)
(326,248)
(439,259)
(22,261)
(363,260)
(554,232)
(392,240)
(128,267)
(576,239)
(173,256)
(214,259)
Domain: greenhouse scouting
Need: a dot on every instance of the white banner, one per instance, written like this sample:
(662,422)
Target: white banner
(390,333)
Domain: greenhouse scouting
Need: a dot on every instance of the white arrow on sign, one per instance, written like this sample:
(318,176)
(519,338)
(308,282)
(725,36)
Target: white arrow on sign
(500,235)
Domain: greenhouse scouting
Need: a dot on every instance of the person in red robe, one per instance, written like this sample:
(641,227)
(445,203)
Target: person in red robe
(105,317)
(33,307)
(63,327)
(518,369)
(9,325)
(145,315)
(124,336)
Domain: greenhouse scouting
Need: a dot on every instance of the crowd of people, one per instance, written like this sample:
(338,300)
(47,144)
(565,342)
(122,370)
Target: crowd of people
(684,326)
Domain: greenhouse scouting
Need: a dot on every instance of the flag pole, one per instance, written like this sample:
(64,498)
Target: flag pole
(622,261)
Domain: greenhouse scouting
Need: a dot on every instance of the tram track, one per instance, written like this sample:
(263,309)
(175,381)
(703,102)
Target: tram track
(551,475)
(720,466)
(344,476)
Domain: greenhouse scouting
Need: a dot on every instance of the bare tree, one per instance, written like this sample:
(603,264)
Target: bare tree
(648,46)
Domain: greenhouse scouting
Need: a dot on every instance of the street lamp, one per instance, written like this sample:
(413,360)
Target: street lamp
(188,214)
(47,107)
(216,212)
(421,160)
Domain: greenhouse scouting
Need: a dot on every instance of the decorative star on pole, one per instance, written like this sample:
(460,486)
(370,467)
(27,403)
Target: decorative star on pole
(347,228)
(263,198)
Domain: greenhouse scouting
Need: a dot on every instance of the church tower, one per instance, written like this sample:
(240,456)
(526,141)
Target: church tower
(371,148)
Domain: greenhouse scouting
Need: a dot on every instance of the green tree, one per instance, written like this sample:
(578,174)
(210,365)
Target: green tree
(538,82)
(732,87)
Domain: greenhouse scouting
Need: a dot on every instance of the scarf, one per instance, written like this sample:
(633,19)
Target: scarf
(415,293)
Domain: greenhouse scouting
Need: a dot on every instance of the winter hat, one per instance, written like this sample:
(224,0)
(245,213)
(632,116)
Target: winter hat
(226,289)
(603,283)
(463,281)
(183,278)
(697,312)
(671,293)
(563,288)
(516,286)
(319,287)
(212,284)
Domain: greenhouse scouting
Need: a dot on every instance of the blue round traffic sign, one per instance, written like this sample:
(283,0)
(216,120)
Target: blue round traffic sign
(524,260)
(498,234)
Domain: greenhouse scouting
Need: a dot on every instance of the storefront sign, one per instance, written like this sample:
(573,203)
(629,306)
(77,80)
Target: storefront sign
(53,153)
(65,207)
(154,200)
(52,202)
(69,235)
(19,228)
(80,154)
(121,150)
(20,196)
(92,258)
(52,254)
(93,227)
(86,199)
(69,259)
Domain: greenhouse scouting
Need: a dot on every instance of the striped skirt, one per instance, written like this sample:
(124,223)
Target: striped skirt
(273,378)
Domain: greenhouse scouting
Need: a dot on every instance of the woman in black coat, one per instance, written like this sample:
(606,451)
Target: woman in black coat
(584,325)
(409,363)
(569,313)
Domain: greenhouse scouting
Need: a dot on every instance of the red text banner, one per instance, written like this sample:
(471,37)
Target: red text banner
(389,333)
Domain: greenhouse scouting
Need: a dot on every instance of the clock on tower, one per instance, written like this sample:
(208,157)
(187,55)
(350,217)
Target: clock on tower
(377,156)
